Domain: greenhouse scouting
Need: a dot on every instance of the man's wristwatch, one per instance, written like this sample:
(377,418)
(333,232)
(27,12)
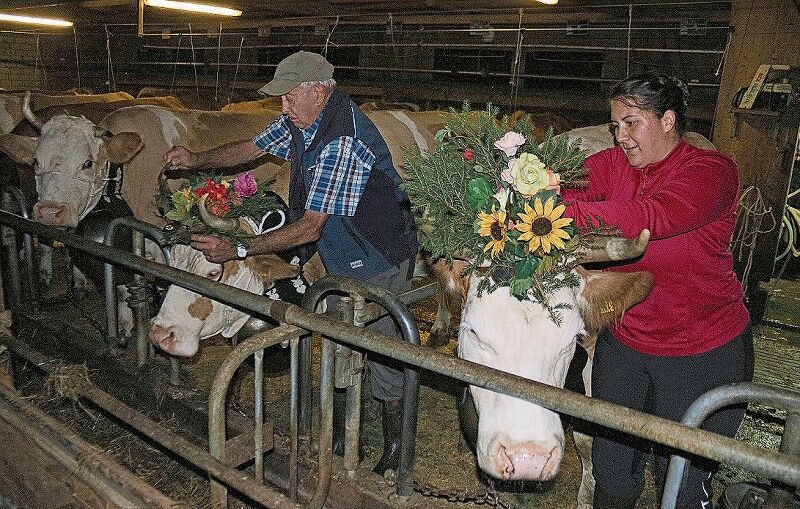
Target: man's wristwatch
(241,250)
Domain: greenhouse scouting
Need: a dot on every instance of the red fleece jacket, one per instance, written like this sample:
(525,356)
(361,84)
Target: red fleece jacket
(688,202)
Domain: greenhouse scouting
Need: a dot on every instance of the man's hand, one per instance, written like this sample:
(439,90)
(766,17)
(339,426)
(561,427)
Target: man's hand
(216,249)
(180,158)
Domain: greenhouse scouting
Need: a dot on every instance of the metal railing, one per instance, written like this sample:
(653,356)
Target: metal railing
(770,464)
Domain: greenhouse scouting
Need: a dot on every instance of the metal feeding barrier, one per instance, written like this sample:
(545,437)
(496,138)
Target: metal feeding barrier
(297,321)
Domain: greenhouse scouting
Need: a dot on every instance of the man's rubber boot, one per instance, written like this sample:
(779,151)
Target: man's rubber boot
(392,413)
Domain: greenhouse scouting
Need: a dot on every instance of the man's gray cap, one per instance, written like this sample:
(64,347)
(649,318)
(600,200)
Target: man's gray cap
(297,68)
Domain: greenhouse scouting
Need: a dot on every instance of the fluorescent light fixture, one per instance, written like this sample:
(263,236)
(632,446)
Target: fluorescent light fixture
(35,21)
(188,6)
(548,2)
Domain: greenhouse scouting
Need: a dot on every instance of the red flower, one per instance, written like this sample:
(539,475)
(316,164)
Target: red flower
(214,190)
(469,155)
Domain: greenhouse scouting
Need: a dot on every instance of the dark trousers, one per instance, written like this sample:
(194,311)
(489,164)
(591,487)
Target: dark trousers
(386,374)
(662,386)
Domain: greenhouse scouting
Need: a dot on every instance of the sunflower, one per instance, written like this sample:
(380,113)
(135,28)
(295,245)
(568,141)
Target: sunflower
(542,225)
(493,225)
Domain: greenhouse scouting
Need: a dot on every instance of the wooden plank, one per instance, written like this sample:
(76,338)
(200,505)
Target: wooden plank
(240,449)
(46,465)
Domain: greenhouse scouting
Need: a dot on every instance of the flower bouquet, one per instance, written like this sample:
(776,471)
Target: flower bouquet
(489,192)
(239,197)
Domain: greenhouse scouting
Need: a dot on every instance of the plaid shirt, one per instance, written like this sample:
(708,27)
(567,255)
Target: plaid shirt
(340,173)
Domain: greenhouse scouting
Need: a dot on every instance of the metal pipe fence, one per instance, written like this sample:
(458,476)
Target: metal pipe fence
(770,464)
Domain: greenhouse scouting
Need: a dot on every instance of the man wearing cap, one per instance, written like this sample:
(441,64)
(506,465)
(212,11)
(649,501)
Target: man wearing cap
(345,202)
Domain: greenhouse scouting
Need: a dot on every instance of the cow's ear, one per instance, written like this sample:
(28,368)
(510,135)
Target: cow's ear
(122,147)
(21,149)
(607,295)
(271,267)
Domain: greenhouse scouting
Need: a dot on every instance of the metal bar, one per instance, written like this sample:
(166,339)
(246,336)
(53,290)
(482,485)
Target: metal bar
(31,268)
(258,392)
(770,464)
(216,401)
(294,345)
(108,269)
(141,309)
(713,400)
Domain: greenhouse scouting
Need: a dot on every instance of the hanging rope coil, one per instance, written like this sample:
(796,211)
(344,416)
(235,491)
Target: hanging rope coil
(750,215)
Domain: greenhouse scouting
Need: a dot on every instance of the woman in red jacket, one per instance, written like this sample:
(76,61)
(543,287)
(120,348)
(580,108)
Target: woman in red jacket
(692,332)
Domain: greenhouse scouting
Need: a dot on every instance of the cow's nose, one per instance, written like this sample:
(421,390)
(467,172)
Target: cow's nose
(162,337)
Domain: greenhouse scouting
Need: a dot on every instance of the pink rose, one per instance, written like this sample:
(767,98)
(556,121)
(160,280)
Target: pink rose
(469,155)
(510,142)
(245,184)
(553,181)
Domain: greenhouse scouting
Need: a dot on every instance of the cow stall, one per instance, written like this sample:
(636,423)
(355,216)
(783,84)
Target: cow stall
(767,463)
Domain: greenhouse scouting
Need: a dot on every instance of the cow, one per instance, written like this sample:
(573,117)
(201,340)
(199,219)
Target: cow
(11,104)
(515,439)
(266,103)
(185,318)
(192,98)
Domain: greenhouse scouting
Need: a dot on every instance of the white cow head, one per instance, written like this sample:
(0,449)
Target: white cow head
(186,317)
(70,158)
(517,439)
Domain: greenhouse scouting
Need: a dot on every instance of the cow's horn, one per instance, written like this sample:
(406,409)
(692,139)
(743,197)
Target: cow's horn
(600,248)
(218,223)
(28,112)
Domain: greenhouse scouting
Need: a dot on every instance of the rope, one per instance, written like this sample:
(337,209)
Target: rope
(194,62)
(330,34)
(750,214)
(219,50)
(628,53)
(516,64)
(112,86)
(790,232)
(236,72)
(175,67)
(43,83)
(77,59)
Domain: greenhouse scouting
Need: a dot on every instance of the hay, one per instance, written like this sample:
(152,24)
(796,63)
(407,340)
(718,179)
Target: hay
(68,381)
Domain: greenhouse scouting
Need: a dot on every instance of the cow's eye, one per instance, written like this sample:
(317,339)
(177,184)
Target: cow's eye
(214,274)
(88,164)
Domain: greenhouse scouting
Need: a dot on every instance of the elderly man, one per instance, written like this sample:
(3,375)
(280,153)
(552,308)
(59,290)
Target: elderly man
(345,202)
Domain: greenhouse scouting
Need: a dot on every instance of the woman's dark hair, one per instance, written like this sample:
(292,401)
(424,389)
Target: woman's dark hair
(656,93)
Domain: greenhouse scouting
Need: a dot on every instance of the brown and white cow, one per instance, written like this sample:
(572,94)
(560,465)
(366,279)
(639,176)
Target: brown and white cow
(11,104)
(186,318)
(518,440)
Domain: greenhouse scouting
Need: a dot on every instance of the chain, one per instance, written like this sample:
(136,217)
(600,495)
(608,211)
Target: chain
(488,497)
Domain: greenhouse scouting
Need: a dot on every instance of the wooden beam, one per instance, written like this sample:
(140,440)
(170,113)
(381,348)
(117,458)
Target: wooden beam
(101,4)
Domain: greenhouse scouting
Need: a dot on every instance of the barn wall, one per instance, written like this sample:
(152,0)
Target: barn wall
(18,62)
(765,32)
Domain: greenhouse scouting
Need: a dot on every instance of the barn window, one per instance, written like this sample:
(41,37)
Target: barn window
(563,70)
(345,60)
(472,65)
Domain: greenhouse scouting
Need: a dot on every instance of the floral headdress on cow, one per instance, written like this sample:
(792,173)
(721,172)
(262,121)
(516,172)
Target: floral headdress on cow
(209,204)
(489,192)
